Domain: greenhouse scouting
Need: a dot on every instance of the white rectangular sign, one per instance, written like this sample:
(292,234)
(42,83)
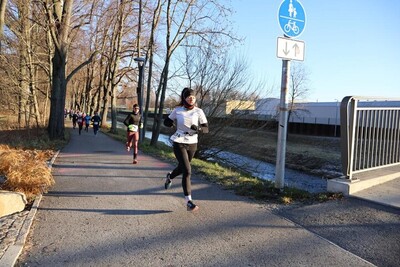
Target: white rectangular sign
(290,49)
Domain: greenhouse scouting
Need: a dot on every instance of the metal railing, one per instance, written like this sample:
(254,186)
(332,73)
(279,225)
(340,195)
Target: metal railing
(370,134)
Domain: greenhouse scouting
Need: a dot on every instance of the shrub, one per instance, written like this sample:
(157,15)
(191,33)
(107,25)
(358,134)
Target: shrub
(25,171)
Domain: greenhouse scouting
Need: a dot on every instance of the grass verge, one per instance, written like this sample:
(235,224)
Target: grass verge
(230,179)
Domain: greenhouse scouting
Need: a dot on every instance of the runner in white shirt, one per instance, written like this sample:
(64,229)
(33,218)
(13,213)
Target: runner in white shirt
(189,120)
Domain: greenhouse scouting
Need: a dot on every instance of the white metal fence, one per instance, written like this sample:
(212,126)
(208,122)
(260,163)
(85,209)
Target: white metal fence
(370,134)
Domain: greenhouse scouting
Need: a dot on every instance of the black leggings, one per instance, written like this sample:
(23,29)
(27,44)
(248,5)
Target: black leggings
(184,154)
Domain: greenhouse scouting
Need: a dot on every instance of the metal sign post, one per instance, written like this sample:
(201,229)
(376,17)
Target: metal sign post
(282,127)
(292,20)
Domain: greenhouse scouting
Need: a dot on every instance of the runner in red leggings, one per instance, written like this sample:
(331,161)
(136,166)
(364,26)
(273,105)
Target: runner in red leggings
(132,122)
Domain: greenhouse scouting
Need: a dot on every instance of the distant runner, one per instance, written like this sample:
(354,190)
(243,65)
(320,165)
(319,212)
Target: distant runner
(74,119)
(80,122)
(87,122)
(96,122)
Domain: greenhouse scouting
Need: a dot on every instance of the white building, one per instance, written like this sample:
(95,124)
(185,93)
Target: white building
(304,112)
(312,112)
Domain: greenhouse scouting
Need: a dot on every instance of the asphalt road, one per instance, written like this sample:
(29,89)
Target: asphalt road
(105,211)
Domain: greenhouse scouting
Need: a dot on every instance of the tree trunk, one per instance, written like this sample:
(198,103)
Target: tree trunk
(88,89)
(111,79)
(23,109)
(62,12)
(97,97)
(105,105)
(56,126)
(50,77)
(32,88)
(150,55)
(31,68)
(3,5)
(158,115)
(113,111)
(154,134)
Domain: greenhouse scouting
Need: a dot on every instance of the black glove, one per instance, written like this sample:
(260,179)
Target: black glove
(194,127)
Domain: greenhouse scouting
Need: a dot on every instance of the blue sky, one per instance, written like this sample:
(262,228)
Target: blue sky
(352,47)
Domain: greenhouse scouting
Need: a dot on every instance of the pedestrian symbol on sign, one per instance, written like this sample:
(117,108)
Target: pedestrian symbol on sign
(292,10)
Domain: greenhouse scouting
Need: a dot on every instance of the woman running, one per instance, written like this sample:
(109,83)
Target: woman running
(189,120)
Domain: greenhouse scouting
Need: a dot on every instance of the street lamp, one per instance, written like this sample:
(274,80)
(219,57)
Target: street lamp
(139,91)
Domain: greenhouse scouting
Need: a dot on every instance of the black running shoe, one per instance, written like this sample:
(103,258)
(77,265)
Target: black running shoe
(168,181)
(191,206)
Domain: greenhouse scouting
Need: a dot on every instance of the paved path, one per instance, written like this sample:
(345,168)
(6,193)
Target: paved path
(387,193)
(104,211)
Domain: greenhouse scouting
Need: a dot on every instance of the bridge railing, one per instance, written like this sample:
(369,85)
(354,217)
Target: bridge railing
(370,134)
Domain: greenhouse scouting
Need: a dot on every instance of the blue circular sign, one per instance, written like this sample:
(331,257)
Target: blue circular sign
(292,18)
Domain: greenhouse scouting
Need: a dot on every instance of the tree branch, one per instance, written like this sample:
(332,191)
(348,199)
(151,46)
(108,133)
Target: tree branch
(81,66)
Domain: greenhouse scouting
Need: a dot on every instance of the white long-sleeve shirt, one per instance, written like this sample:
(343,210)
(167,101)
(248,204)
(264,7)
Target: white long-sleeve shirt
(184,118)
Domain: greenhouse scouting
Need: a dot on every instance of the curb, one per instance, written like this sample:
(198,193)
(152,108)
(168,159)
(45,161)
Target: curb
(14,251)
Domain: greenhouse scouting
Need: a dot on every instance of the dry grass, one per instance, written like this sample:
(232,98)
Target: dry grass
(24,154)
(7,121)
(26,171)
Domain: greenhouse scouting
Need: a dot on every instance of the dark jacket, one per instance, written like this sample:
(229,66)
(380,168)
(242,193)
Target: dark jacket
(132,119)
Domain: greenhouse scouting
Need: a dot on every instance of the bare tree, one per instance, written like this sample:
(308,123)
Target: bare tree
(20,25)
(183,19)
(59,18)
(29,32)
(299,87)
(23,52)
(114,77)
(225,89)
(117,56)
(150,56)
(49,64)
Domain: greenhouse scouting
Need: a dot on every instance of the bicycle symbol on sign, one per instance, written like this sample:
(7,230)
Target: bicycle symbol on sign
(291,26)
